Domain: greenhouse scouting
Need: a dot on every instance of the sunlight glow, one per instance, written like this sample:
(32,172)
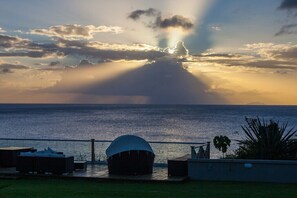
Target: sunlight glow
(193,9)
(246,86)
(85,76)
(175,35)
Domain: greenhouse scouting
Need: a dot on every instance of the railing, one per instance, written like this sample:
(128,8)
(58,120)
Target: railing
(94,150)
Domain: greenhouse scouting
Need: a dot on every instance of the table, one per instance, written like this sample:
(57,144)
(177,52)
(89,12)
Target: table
(80,165)
(178,166)
(8,155)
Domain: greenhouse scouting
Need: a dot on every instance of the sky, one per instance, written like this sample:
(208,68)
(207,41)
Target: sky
(149,52)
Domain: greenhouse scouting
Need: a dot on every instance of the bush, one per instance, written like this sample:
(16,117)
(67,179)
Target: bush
(267,140)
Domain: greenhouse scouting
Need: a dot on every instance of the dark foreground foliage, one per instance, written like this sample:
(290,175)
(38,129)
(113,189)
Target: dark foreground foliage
(267,140)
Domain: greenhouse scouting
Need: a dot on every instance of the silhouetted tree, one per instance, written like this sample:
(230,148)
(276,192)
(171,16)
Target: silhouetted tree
(222,143)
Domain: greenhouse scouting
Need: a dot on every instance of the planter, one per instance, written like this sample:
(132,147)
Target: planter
(279,171)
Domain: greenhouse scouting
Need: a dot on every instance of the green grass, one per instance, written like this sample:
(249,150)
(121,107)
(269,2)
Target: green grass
(68,188)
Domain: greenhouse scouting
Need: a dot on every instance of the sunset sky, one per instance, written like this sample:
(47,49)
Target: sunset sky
(149,52)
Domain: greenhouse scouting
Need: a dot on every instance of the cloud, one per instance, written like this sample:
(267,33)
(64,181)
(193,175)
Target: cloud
(7,68)
(13,46)
(180,49)
(288,4)
(282,52)
(216,27)
(18,47)
(12,66)
(289,54)
(84,62)
(5,71)
(281,58)
(219,55)
(1,30)
(114,52)
(176,21)
(250,63)
(54,63)
(281,72)
(31,54)
(121,47)
(135,15)
(287,29)
(75,32)
(291,7)
(12,42)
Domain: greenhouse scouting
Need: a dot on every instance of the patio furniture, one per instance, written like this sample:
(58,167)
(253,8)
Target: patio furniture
(130,155)
(8,155)
(47,161)
(178,166)
(202,153)
(80,165)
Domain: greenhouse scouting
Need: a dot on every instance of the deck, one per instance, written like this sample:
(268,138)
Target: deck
(97,173)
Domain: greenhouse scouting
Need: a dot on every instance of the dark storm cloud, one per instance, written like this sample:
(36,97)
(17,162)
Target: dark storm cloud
(176,21)
(287,29)
(288,4)
(135,15)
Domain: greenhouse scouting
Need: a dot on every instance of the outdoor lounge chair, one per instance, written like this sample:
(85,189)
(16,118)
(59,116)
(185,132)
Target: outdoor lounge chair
(130,155)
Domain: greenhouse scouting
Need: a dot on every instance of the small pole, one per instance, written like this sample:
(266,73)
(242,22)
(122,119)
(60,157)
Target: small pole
(93,151)
(208,150)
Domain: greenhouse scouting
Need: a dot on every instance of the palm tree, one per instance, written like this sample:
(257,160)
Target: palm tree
(267,140)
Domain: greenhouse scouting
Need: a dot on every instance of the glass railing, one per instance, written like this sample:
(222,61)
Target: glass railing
(83,149)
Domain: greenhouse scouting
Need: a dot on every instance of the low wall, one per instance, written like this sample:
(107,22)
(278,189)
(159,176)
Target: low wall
(280,171)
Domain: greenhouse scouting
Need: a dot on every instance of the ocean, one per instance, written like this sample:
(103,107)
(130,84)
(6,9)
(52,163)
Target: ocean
(190,123)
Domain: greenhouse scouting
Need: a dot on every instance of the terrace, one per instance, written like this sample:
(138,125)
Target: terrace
(93,153)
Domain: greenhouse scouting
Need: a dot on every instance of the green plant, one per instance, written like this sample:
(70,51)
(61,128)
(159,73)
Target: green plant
(267,140)
(221,143)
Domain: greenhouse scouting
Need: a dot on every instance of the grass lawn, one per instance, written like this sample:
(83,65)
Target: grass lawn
(67,188)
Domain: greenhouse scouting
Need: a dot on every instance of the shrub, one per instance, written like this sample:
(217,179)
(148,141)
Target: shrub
(267,140)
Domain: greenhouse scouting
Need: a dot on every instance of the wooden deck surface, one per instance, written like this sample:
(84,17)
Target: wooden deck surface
(99,172)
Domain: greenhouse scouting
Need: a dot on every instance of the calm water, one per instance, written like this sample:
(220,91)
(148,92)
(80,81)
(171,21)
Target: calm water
(195,123)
